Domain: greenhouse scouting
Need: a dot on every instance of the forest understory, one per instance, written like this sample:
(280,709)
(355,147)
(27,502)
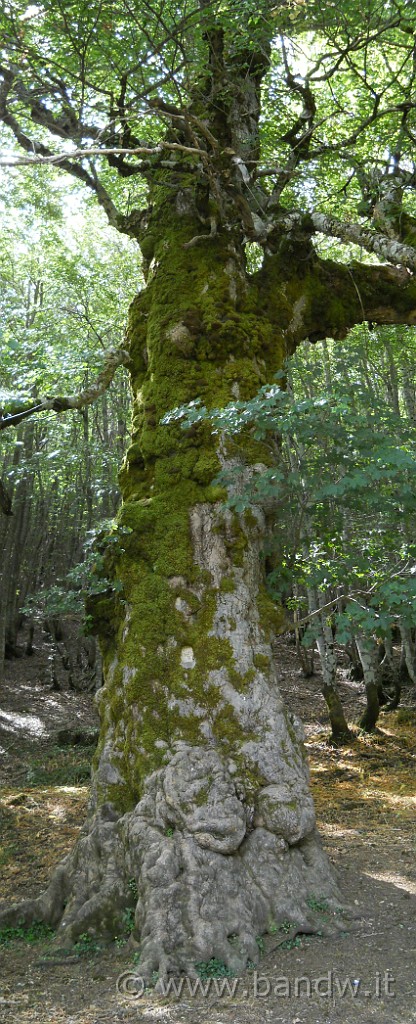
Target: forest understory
(365,795)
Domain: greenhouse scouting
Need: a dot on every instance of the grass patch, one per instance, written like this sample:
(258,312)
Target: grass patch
(60,766)
(405,716)
(291,943)
(35,932)
(8,854)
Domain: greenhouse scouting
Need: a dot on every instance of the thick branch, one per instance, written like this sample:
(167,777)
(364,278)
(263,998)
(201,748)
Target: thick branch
(360,293)
(332,297)
(42,154)
(385,248)
(113,359)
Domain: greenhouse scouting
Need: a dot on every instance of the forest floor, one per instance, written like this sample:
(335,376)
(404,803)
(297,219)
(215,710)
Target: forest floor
(365,796)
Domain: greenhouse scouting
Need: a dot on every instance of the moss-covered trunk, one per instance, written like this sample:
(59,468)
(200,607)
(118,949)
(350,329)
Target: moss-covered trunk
(200,787)
(200,812)
(200,802)
(192,618)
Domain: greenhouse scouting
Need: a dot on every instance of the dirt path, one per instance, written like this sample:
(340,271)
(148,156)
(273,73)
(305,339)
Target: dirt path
(366,799)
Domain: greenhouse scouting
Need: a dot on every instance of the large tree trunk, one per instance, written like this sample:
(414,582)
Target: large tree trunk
(200,787)
(200,798)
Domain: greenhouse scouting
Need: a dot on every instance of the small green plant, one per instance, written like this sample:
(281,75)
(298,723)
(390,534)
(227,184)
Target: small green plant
(169,831)
(89,577)
(35,932)
(260,943)
(213,969)
(291,943)
(86,945)
(136,957)
(128,919)
(320,906)
(285,927)
(132,884)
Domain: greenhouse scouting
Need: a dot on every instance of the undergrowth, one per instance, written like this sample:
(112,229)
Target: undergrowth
(35,932)
(60,766)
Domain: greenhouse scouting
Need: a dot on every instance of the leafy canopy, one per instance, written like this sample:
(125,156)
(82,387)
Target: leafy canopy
(113,90)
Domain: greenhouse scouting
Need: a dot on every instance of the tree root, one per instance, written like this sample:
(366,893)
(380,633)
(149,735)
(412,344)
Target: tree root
(208,885)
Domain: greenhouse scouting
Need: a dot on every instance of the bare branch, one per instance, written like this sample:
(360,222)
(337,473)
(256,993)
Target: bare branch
(60,159)
(113,359)
(351,140)
(385,248)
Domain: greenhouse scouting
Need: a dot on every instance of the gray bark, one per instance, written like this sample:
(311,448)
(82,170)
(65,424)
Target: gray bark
(367,651)
(408,650)
(220,845)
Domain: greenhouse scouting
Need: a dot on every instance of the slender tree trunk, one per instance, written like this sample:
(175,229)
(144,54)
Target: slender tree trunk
(324,638)
(409,391)
(7,544)
(368,656)
(392,380)
(15,558)
(339,727)
(389,686)
(327,655)
(305,654)
(326,361)
(408,650)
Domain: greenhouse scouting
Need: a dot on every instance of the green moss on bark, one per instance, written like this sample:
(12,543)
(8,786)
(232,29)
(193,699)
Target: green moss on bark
(199,330)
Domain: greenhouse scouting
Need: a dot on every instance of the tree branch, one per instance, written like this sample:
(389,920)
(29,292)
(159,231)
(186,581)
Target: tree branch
(41,154)
(332,297)
(113,359)
(389,249)
(80,154)
(360,293)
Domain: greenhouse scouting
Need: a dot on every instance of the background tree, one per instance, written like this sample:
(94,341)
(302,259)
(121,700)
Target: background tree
(203,128)
(377,369)
(65,287)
